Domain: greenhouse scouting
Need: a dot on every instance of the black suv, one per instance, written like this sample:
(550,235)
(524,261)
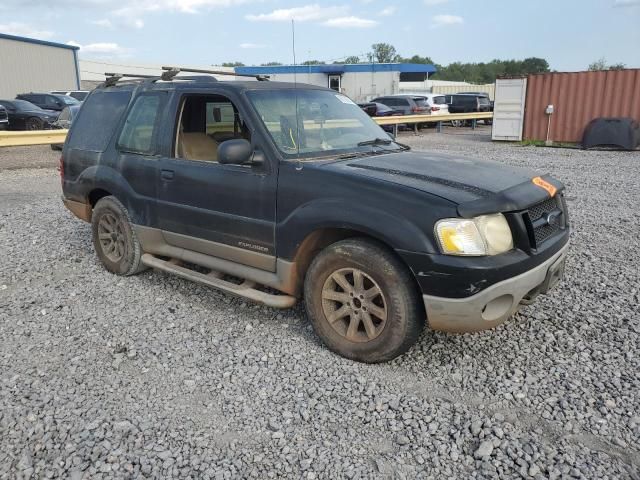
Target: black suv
(25,115)
(48,101)
(407,104)
(275,191)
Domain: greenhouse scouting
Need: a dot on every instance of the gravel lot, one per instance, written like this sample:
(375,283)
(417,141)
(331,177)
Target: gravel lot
(152,376)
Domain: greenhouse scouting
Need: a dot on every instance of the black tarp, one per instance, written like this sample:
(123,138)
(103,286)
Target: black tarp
(612,132)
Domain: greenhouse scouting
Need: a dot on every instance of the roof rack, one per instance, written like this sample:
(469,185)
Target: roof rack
(260,78)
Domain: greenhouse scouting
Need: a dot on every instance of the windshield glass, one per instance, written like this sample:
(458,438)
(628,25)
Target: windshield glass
(23,105)
(67,100)
(328,123)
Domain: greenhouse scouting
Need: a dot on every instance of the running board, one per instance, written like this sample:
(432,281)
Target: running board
(212,279)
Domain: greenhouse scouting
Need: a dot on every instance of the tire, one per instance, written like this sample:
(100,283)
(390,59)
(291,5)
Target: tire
(488,122)
(371,330)
(114,239)
(34,123)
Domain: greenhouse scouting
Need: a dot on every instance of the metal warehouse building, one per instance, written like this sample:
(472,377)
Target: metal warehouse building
(360,81)
(29,65)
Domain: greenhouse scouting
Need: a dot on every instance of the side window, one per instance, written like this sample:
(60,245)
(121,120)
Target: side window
(139,127)
(205,122)
(50,101)
(103,108)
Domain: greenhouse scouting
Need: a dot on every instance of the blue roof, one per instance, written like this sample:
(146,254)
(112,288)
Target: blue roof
(337,68)
(37,42)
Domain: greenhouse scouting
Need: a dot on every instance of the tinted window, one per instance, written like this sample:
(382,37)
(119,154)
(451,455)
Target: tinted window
(98,119)
(438,100)
(67,100)
(50,101)
(382,108)
(79,95)
(137,134)
(483,100)
(421,102)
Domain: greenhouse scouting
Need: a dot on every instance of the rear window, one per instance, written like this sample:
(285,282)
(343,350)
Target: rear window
(79,95)
(421,101)
(98,119)
(438,100)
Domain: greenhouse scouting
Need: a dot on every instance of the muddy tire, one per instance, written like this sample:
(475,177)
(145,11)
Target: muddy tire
(362,301)
(34,123)
(114,239)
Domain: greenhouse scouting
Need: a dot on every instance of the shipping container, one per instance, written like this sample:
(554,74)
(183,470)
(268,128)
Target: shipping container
(578,98)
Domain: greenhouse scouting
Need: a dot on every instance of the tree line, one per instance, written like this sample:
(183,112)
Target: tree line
(480,72)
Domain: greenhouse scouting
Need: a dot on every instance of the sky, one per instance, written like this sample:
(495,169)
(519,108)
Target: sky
(570,34)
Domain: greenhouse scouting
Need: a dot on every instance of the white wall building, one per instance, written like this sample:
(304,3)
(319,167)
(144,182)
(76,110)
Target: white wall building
(360,81)
(30,65)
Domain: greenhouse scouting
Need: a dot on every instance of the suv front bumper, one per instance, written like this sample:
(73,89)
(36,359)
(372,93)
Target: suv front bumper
(496,303)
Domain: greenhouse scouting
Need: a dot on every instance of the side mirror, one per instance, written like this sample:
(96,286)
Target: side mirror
(237,151)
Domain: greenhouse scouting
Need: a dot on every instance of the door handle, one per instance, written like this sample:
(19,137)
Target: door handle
(166,174)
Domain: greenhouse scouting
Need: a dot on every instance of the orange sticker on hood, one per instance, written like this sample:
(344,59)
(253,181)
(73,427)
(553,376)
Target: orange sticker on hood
(551,190)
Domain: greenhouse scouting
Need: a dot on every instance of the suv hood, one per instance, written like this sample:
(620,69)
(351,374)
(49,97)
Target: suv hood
(477,186)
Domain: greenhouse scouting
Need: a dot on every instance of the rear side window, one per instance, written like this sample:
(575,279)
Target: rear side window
(421,102)
(98,119)
(438,100)
(139,128)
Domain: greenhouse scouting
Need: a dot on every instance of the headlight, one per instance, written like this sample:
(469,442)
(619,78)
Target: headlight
(484,235)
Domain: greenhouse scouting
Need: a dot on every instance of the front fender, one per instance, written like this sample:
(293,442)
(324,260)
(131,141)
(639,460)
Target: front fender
(395,231)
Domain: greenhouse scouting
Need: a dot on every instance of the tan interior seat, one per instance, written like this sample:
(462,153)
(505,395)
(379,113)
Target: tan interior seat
(197,146)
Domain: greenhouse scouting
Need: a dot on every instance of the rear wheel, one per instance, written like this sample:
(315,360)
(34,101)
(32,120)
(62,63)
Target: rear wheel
(114,239)
(362,301)
(34,123)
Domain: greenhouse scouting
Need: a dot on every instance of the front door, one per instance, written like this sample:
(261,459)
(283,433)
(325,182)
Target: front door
(226,211)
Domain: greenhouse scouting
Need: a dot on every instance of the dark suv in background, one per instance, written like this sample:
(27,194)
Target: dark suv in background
(48,101)
(407,104)
(468,103)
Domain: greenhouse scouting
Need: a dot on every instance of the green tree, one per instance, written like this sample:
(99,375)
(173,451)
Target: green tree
(384,52)
(416,59)
(600,64)
(617,66)
(233,64)
(270,64)
(313,62)
(351,59)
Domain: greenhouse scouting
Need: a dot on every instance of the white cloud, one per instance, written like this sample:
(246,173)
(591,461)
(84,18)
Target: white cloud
(350,22)
(431,3)
(300,14)
(626,3)
(103,22)
(385,12)
(444,20)
(102,49)
(24,30)
(252,45)
(138,7)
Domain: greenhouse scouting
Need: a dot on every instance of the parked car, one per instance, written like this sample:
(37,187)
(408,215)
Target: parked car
(467,103)
(24,115)
(79,95)
(303,193)
(481,94)
(374,109)
(48,101)
(407,104)
(4,118)
(436,102)
(64,121)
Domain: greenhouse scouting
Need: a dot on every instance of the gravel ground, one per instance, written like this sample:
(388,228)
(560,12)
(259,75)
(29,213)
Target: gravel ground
(40,156)
(155,377)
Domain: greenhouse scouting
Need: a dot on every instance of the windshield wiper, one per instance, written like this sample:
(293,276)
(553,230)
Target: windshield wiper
(376,141)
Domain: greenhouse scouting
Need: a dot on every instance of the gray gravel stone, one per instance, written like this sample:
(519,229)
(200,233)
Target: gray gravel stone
(197,393)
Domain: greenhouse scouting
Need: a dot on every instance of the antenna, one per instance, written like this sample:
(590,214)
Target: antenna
(295,86)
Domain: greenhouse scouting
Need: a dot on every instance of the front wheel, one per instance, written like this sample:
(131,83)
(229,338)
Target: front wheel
(114,239)
(34,123)
(363,302)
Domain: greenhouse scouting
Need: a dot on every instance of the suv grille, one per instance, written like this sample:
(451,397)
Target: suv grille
(538,216)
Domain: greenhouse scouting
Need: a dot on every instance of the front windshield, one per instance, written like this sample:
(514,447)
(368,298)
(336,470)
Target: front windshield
(327,123)
(67,100)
